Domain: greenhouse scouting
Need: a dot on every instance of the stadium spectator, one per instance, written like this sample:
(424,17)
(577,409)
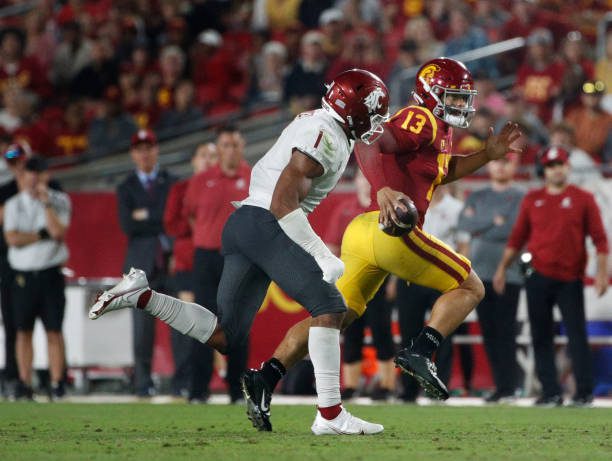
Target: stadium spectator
(591,124)
(305,83)
(414,301)
(490,18)
(539,78)
(553,223)
(361,13)
(172,67)
(215,71)
(110,131)
(583,169)
(400,86)
(578,68)
(378,315)
(71,56)
(185,116)
(488,95)
(268,74)
(419,30)
(141,199)
(35,225)
(362,51)
(465,36)
(18,70)
(16,106)
(100,73)
(486,220)
(332,27)
(41,37)
(178,227)
(70,138)
(207,206)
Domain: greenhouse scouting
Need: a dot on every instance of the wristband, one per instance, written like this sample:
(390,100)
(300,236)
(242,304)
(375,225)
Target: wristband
(43,234)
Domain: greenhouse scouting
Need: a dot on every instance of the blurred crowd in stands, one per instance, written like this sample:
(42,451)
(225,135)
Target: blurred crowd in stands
(81,76)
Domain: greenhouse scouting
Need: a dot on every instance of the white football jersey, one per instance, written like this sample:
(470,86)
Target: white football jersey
(317,135)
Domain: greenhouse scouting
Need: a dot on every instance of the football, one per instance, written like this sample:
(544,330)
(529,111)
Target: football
(408,219)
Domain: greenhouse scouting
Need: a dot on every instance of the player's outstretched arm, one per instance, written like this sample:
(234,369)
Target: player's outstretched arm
(292,187)
(496,147)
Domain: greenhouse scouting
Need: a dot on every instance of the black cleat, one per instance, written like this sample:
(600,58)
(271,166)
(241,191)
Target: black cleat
(257,398)
(424,371)
(549,401)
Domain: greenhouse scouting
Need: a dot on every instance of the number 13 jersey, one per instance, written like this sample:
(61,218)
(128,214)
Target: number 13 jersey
(412,156)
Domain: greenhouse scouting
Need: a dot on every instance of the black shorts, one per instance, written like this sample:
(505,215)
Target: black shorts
(39,294)
(256,251)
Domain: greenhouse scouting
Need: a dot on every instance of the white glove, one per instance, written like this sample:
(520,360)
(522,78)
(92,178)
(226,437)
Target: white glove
(332,267)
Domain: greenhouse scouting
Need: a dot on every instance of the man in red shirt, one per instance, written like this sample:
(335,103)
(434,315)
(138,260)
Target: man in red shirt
(208,205)
(553,223)
(178,227)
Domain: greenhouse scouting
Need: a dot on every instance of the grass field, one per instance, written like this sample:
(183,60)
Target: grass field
(219,432)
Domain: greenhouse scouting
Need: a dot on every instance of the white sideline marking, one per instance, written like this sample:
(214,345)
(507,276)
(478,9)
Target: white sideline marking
(220,399)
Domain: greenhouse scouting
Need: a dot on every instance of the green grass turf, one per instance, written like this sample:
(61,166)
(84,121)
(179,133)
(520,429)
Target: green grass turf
(216,432)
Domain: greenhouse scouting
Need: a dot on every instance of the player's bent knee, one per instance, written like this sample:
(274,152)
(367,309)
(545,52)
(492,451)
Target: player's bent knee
(476,287)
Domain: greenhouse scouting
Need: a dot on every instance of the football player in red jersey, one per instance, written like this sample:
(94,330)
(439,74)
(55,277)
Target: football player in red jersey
(410,159)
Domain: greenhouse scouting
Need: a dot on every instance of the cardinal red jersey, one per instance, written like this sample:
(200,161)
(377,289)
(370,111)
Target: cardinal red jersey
(411,156)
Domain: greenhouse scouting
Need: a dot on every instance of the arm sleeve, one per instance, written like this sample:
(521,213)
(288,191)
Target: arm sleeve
(63,208)
(594,225)
(175,224)
(10,216)
(522,228)
(478,222)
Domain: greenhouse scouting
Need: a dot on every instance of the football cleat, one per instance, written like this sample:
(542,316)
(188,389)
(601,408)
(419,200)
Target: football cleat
(124,294)
(257,398)
(344,424)
(424,371)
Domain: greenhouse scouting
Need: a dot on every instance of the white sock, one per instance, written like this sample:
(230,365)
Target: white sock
(189,318)
(324,350)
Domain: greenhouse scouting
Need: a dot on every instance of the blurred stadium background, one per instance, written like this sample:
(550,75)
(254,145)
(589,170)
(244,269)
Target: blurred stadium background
(78,77)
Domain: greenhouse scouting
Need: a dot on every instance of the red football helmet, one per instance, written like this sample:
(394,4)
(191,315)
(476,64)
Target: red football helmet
(359,100)
(446,87)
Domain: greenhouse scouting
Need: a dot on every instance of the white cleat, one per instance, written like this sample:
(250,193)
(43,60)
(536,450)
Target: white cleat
(124,294)
(344,424)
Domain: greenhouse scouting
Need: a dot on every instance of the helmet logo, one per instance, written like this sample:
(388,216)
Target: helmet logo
(429,72)
(372,101)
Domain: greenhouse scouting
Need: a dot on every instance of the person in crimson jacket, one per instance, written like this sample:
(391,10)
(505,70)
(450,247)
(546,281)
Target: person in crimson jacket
(553,223)
(208,205)
(178,227)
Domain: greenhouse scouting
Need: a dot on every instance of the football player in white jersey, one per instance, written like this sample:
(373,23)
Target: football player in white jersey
(268,238)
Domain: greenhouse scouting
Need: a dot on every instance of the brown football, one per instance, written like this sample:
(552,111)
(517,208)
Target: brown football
(408,219)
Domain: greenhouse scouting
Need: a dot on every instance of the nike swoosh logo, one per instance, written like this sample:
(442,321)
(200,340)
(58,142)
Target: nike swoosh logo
(263,405)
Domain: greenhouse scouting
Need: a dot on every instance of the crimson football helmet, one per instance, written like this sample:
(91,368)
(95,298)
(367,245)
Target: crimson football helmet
(445,79)
(359,100)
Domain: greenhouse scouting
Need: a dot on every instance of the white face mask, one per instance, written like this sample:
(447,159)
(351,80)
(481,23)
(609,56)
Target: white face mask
(376,130)
(457,116)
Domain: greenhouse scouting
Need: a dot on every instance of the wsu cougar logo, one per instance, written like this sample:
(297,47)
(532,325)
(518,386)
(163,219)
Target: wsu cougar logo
(429,72)
(372,101)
